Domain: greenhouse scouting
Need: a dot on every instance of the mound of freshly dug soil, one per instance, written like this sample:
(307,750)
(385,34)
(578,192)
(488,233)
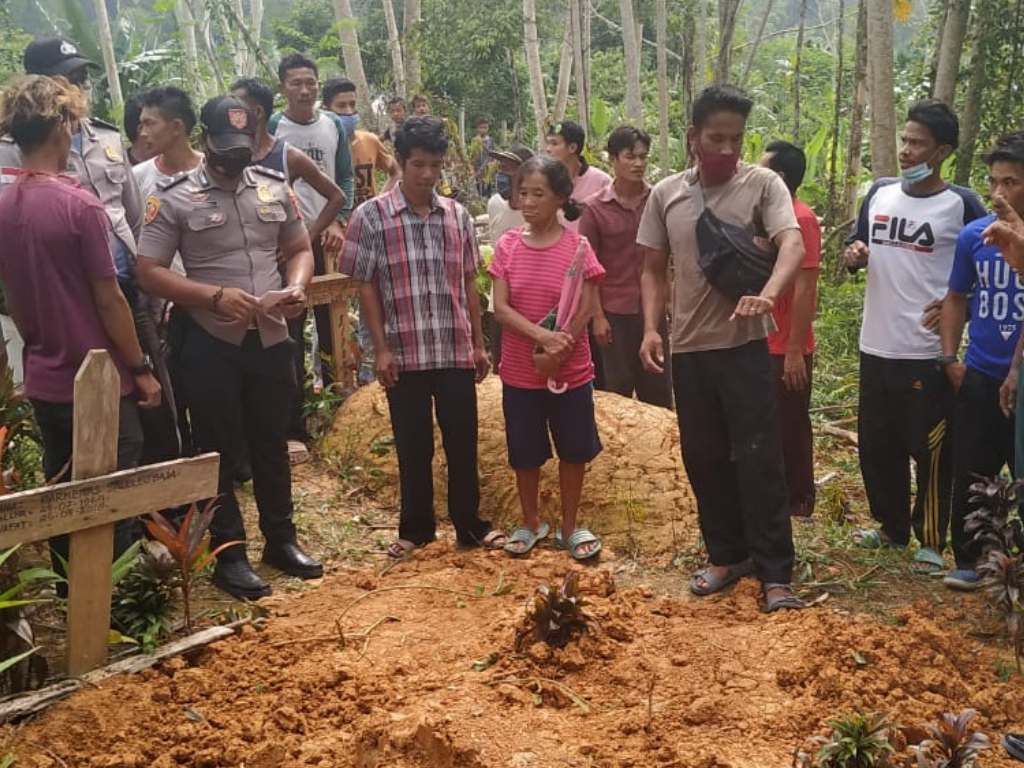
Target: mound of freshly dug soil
(427,677)
(639,476)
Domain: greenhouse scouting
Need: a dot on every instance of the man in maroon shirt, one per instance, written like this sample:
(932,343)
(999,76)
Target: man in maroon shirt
(610,222)
(792,344)
(60,280)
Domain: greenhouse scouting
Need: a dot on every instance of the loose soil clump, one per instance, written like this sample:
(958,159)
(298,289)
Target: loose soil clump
(418,668)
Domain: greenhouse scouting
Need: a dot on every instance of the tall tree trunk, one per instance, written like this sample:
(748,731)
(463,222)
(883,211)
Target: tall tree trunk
(582,106)
(856,138)
(832,207)
(532,45)
(351,55)
(234,34)
(797,67)
(971,118)
(727,11)
(411,45)
(749,64)
(586,16)
(106,41)
(395,46)
(256,14)
(1008,103)
(631,51)
(200,11)
(883,107)
(661,33)
(700,47)
(933,64)
(947,66)
(518,130)
(187,29)
(564,68)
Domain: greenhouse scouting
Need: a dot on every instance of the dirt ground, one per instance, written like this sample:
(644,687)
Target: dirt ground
(428,676)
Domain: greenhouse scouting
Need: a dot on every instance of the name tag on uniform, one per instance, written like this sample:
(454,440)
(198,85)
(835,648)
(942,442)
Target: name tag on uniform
(271,212)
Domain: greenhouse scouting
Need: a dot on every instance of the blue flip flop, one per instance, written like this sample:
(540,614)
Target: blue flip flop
(578,538)
(527,537)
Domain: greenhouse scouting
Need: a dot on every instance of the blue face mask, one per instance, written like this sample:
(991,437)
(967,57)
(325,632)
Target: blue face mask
(350,122)
(503,183)
(917,173)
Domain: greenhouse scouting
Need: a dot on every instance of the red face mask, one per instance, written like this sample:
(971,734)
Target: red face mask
(716,168)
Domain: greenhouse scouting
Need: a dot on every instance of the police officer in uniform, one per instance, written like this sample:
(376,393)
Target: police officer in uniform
(99,162)
(229,220)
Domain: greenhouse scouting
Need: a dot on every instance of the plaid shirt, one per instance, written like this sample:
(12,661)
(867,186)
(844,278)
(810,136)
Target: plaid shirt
(420,267)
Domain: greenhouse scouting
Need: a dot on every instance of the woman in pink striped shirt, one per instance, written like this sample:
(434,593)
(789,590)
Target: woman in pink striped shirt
(529,268)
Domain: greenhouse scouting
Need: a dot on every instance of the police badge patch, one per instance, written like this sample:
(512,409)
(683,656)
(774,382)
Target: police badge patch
(152,208)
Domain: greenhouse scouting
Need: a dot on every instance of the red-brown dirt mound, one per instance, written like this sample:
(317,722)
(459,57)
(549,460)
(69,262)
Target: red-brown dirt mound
(657,681)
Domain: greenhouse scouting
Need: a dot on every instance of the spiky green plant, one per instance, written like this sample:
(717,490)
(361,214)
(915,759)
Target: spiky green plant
(858,740)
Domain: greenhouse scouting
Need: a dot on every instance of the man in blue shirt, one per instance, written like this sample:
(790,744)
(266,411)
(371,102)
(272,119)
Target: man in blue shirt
(984,287)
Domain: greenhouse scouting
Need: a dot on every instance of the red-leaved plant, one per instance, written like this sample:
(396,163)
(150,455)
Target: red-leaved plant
(187,546)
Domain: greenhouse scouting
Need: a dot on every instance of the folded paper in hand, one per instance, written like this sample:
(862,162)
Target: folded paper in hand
(271,299)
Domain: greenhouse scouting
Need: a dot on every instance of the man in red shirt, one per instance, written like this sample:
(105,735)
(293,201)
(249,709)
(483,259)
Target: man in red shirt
(792,344)
(610,222)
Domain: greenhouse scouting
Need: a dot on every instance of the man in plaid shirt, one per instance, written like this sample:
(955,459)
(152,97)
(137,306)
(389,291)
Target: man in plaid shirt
(415,254)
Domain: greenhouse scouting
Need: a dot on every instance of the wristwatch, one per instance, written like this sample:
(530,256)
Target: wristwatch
(943,360)
(146,366)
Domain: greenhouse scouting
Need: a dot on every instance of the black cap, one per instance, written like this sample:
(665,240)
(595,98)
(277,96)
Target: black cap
(228,124)
(53,56)
(517,153)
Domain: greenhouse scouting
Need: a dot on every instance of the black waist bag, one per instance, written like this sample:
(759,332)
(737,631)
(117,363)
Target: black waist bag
(728,256)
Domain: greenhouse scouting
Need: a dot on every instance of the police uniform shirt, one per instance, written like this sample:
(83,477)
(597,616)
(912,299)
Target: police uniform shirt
(228,239)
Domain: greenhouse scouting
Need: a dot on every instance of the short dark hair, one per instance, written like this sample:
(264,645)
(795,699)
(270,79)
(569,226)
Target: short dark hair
(1009,148)
(789,161)
(333,87)
(481,120)
(720,98)
(396,100)
(938,118)
(571,133)
(258,91)
(419,98)
(296,61)
(132,115)
(626,137)
(558,178)
(424,132)
(173,103)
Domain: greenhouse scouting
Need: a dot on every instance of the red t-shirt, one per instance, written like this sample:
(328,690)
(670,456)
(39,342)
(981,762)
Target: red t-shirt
(535,277)
(56,239)
(811,232)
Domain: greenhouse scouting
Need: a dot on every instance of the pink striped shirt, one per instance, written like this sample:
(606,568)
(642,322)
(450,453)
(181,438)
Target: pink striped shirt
(535,277)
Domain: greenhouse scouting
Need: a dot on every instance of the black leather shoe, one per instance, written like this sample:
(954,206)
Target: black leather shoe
(236,577)
(289,557)
(1013,743)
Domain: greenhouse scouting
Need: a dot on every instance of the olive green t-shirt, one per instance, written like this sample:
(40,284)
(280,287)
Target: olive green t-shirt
(755,198)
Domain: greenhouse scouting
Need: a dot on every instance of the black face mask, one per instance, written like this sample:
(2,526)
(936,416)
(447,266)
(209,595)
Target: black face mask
(230,164)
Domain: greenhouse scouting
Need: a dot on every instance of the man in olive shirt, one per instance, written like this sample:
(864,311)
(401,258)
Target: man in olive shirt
(721,369)
(229,221)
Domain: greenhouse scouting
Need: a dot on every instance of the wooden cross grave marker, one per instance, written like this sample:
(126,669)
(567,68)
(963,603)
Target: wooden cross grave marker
(335,290)
(96,497)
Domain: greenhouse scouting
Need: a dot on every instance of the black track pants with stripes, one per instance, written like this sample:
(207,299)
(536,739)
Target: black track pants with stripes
(905,413)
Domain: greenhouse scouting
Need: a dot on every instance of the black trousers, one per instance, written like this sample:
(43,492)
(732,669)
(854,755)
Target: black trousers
(982,445)
(239,395)
(56,426)
(732,450)
(322,316)
(797,438)
(905,413)
(624,374)
(451,394)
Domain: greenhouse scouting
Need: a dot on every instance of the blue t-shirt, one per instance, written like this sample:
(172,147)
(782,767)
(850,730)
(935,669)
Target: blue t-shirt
(997,300)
